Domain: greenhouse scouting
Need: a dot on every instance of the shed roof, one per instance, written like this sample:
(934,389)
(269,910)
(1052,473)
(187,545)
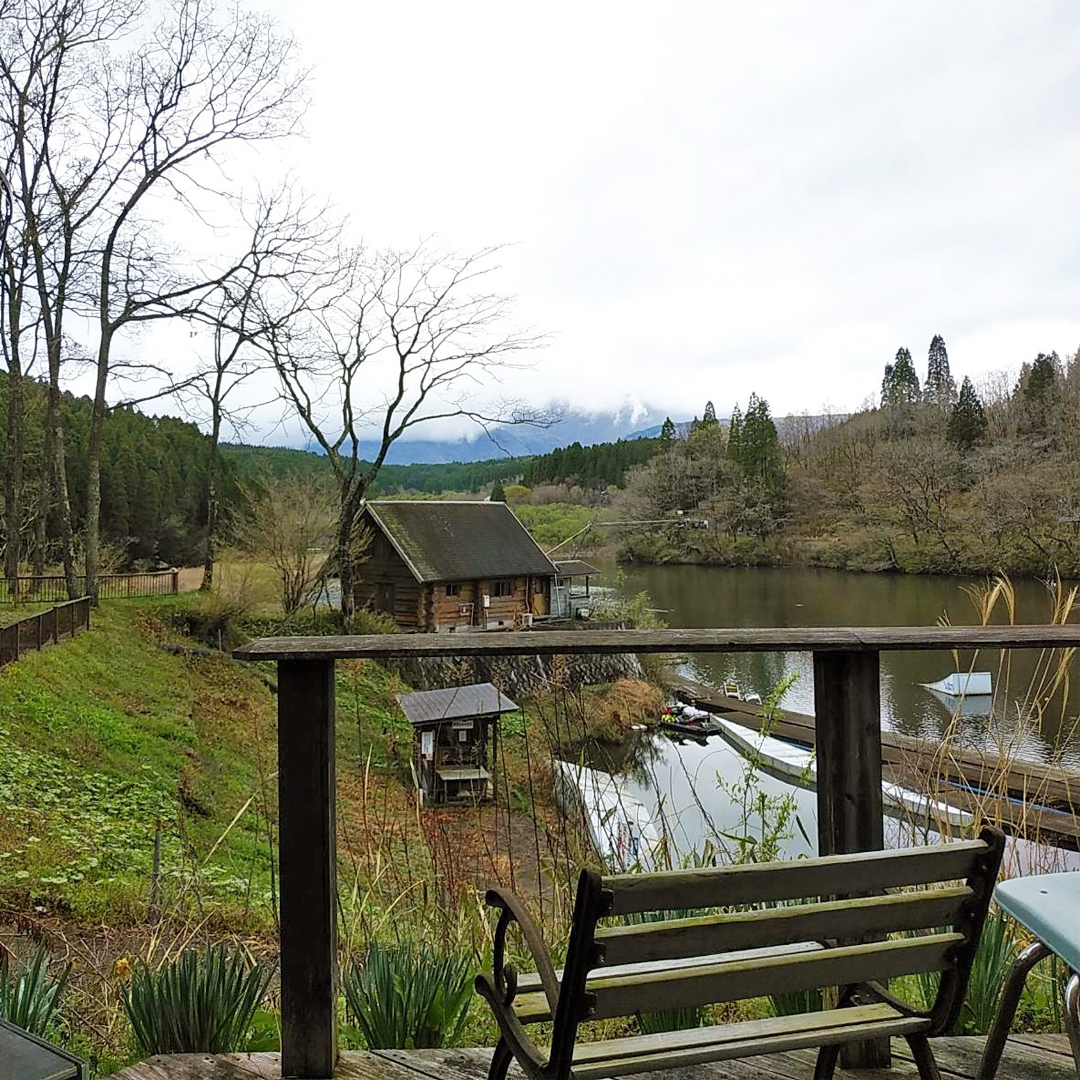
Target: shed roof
(574,568)
(459,541)
(453,703)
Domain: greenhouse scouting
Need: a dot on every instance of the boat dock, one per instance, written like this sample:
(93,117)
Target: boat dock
(1043,802)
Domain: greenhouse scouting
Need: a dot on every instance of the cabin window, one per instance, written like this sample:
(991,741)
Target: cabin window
(503,588)
(453,590)
(538,585)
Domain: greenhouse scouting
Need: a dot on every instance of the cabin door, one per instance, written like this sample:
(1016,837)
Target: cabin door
(384,596)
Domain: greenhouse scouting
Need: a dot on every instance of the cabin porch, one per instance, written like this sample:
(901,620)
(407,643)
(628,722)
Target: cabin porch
(1027,1057)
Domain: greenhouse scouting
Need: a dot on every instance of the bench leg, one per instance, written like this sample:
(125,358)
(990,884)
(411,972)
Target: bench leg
(500,1060)
(1072,1017)
(1006,1010)
(924,1057)
(827,1057)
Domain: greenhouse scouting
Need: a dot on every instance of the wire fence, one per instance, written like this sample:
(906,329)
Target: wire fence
(46,628)
(53,587)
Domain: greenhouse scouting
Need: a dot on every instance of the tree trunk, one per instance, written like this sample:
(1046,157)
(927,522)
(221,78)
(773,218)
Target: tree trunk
(93,471)
(13,477)
(58,469)
(213,473)
(352,494)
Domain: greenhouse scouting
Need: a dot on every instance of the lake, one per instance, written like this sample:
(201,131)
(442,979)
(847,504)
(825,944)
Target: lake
(692,790)
(702,596)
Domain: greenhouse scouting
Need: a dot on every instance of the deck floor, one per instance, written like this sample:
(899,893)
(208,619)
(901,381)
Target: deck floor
(1027,1057)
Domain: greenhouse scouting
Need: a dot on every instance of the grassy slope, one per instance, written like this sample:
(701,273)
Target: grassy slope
(101,738)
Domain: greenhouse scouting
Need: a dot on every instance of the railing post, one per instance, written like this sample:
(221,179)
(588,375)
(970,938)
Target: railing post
(308,867)
(847,710)
(175,581)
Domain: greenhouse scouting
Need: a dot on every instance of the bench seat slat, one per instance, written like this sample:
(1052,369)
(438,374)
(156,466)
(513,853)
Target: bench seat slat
(767,1042)
(734,981)
(729,886)
(855,918)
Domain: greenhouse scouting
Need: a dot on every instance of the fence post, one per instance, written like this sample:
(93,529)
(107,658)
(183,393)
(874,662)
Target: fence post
(175,581)
(847,710)
(308,867)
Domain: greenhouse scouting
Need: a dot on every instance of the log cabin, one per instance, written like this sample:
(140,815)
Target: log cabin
(445,566)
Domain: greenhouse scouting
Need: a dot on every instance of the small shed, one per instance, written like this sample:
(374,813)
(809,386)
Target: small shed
(454,739)
(567,597)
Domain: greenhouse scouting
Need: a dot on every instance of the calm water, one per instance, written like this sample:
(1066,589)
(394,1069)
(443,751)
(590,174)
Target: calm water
(697,596)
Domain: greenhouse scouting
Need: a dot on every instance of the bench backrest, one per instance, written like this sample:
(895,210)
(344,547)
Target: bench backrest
(847,903)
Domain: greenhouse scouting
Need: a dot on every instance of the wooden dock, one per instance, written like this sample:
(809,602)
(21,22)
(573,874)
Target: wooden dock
(1056,791)
(1027,1057)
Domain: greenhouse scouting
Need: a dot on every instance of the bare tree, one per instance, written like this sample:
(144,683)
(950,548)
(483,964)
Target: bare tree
(289,524)
(289,240)
(398,340)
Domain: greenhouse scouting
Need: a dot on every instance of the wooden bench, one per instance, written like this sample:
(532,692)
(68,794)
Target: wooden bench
(846,921)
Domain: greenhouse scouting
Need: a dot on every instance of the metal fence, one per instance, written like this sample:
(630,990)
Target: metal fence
(53,587)
(45,628)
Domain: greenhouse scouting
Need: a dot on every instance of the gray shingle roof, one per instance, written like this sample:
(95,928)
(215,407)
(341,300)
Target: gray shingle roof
(459,541)
(575,568)
(433,706)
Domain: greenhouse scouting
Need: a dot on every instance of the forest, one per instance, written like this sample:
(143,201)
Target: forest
(930,478)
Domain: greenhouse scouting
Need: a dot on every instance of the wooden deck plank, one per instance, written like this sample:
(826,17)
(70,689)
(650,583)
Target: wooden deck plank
(1027,1057)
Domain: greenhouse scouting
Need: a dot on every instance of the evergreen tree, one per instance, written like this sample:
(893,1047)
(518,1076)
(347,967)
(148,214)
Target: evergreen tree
(497,492)
(901,383)
(967,422)
(709,419)
(734,433)
(1040,391)
(667,430)
(940,386)
(758,452)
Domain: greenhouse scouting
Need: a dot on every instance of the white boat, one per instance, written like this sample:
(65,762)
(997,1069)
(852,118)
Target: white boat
(620,826)
(797,763)
(963,684)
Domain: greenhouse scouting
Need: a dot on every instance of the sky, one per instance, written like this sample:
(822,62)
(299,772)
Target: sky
(708,199)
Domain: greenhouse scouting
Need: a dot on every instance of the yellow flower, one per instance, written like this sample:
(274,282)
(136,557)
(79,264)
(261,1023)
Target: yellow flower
(122,969)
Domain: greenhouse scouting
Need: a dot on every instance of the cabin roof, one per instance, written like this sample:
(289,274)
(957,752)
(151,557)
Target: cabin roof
(459,541)
(575,568)
(454,703)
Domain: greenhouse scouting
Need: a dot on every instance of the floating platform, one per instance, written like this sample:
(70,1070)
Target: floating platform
(1042,801)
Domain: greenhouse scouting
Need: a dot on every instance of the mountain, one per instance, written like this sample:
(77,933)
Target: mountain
(523,440)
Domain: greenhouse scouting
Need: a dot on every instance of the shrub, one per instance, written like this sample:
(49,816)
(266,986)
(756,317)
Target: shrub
(31,1000)
(407,999)
(196,1004)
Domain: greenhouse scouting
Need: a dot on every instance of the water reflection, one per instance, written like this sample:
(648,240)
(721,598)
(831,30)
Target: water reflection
(677,782)
(697,596)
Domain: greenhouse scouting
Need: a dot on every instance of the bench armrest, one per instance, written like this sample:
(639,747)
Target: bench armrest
(504,976)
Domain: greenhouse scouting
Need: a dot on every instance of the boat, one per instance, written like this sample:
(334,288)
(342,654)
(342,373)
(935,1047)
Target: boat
(963,684)
(687,720)
(620,826)
(796,764)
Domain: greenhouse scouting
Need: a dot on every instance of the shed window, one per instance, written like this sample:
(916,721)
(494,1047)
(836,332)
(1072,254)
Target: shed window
(453,589)
(503,588)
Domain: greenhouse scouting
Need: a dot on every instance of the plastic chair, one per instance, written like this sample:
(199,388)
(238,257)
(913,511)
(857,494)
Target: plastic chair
(1048,906)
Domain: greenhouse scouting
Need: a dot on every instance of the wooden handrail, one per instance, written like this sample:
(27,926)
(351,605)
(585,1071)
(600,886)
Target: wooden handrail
(870,639)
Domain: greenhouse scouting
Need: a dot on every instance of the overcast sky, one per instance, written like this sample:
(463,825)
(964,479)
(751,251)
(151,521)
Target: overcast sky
(707,199)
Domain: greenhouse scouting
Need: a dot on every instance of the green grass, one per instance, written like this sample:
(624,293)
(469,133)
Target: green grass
(105,736)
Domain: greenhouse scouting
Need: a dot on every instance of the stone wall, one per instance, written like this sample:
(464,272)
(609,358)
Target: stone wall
(519,674)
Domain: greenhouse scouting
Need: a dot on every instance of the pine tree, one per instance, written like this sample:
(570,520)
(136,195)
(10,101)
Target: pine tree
(709,419)
(1040,393)
(497,492)
(967,422)
(759,445)
(667,430)
(940,386)
(888,389)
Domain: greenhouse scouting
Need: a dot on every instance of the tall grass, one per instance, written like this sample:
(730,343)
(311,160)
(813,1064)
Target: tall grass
(30,998)
(196,1003)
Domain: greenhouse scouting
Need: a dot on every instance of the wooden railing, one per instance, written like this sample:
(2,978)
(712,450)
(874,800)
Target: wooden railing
(42,589)
(46,628)
(847,708)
